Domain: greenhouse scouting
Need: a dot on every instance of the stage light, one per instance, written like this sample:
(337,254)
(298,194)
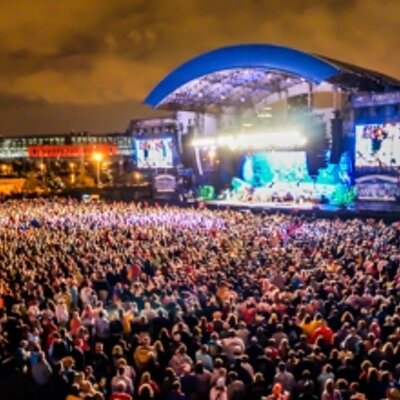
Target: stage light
(254,141)
(264,115)
(137,176)
(204,142)
(225,140)
(302,141)
(211,154)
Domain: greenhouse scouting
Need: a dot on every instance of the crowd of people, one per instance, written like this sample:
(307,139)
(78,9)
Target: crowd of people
(122,301)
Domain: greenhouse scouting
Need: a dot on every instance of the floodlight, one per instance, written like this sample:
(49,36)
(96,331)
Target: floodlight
(254,140)
(97,156)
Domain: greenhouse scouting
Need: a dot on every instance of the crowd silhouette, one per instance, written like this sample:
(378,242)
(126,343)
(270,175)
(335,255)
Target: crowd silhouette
(127,301)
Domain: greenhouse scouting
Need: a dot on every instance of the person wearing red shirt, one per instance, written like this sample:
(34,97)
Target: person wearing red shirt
(325,332)
(120,396)
(120,393)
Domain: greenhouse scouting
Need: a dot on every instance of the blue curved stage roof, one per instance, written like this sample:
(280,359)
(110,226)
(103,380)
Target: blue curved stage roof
(261,57)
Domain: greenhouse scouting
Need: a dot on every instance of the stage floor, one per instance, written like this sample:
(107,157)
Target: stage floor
(365,209)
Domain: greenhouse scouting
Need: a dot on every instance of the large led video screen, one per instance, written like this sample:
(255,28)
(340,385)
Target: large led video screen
(264,167)
(378,146)
(154,152)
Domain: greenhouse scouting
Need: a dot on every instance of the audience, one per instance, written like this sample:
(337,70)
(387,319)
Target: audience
(129,301)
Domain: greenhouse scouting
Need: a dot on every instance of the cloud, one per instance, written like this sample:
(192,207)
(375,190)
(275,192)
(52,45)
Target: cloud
(109,79)
(95,51)
(101,51)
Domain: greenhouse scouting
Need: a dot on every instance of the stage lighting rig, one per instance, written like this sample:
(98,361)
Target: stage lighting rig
(254,141)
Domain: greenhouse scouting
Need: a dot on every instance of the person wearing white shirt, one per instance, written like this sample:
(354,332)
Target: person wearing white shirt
(61,312)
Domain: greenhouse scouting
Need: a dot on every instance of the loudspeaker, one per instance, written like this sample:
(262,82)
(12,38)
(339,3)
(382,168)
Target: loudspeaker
(188,152)
(317,147)
(315,161)
(228,167)
(316,132)
(337,139)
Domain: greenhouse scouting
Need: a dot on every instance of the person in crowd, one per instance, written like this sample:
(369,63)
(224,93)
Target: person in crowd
(278,393)
(122,377)
(120,393)
(40,368)
(285,378)
(127,300)
(330,393)
(176,392)
(219,391)
(204,357)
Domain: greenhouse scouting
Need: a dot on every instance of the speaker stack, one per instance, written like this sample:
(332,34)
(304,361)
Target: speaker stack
(337,138)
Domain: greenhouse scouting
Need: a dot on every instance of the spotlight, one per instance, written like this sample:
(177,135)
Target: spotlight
(254,141)
(204,142)
(211,154)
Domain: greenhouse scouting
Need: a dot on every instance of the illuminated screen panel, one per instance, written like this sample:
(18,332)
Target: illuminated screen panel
(378,146)
(154,153)
(265,167)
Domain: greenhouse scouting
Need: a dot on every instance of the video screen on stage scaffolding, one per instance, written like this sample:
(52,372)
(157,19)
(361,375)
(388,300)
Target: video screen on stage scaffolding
(378,146)
(262,168)
(154,152)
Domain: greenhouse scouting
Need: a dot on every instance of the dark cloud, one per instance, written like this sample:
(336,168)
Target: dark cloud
(91,54)
(38,117)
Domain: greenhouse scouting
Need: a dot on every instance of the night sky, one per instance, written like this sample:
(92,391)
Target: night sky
(88,64)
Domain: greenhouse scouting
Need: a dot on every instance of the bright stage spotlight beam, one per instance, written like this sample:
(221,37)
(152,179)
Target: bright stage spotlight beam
(271,140)
(204,142)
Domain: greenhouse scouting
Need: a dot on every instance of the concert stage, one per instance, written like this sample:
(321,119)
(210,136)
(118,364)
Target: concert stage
(389,211)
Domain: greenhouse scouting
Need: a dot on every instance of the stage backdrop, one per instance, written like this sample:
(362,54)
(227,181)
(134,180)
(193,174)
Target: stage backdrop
(286,172)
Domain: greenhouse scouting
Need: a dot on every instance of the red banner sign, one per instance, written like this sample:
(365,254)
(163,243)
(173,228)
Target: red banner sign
(71,151)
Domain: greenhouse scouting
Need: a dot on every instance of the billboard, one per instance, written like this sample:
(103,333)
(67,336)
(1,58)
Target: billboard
(378,146)
(71,151)
(154,152)
(377,161)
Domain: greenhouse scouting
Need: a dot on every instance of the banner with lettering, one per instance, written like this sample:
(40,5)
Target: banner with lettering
(71,151)
(165,183)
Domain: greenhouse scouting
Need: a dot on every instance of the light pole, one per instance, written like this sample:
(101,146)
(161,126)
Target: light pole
(72,176)
(42,168)
(98,157)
